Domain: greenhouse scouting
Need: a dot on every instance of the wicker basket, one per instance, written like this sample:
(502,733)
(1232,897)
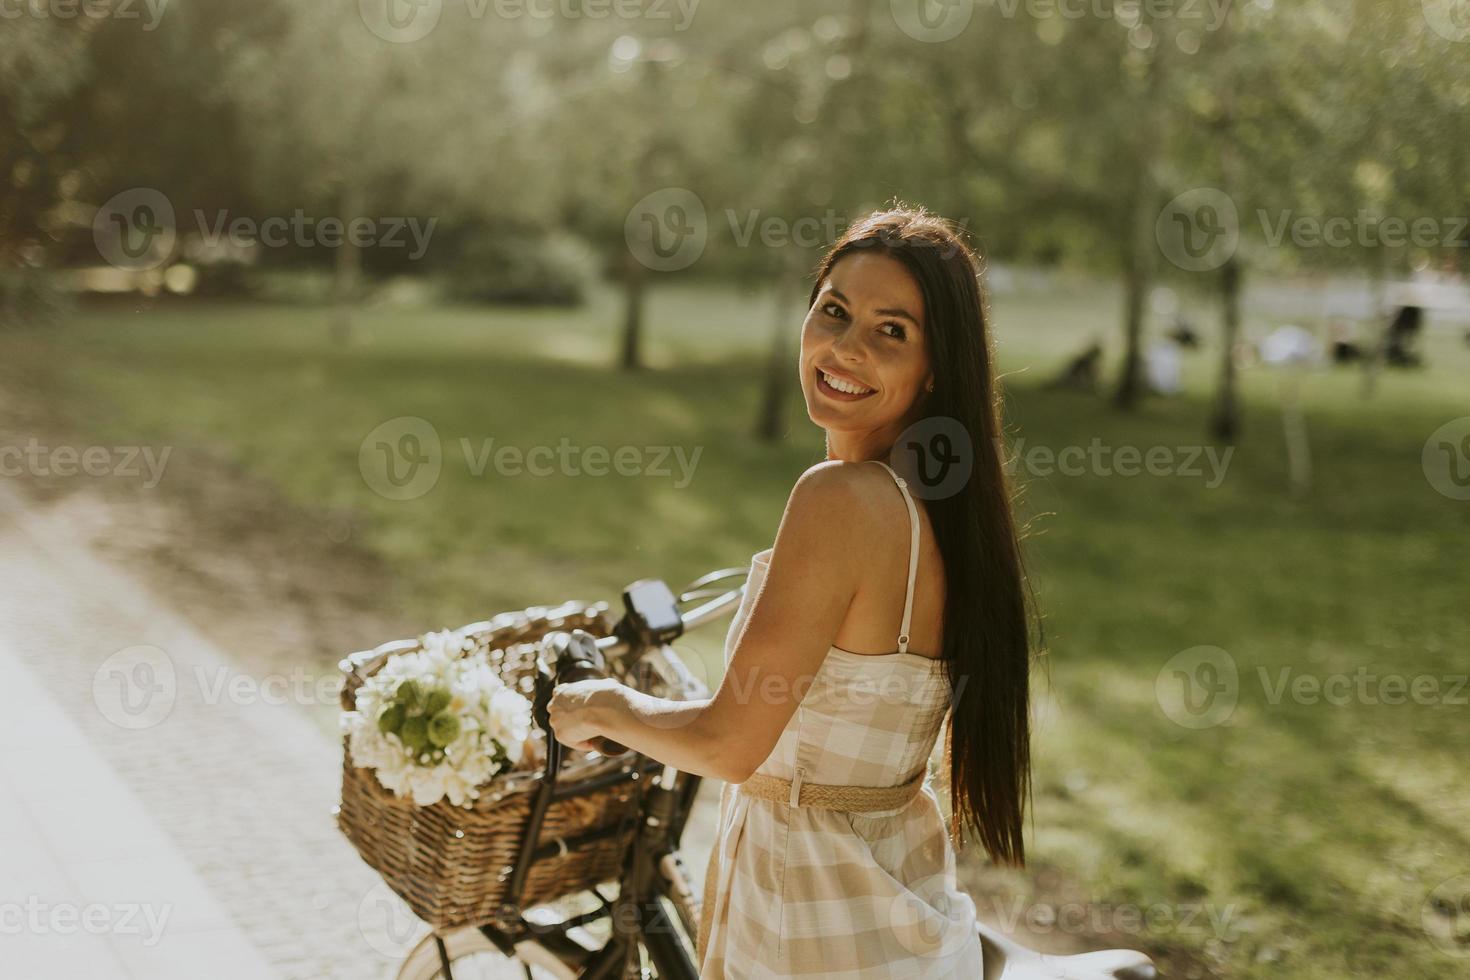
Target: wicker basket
(454,866)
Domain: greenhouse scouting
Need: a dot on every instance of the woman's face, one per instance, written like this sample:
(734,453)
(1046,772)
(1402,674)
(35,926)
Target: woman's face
(866,334)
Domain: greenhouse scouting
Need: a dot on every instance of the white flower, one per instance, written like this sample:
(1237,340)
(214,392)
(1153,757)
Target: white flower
(493,720)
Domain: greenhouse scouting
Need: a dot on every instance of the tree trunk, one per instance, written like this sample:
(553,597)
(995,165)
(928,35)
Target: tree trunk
(1225,423)
(348,271)
(1139,262)
(1378,326)
(632,358)
(771,420)
(1136,281)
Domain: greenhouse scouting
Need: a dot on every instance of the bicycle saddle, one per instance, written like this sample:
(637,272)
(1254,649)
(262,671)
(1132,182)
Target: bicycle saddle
(1006,960)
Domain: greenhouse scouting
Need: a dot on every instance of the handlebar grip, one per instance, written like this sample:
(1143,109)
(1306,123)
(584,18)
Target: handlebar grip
(577,658)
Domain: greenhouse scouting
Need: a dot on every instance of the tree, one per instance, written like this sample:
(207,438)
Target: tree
(1349,135)
(357,125)
(75,135)
(1057,128)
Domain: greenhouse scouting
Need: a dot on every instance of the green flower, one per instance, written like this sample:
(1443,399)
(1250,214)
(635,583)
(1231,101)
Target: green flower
(437,701)
(443,729)
(409,693)
(415,734)
(391,720)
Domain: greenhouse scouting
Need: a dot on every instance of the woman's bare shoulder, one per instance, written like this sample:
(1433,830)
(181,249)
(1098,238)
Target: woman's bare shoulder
(855,499)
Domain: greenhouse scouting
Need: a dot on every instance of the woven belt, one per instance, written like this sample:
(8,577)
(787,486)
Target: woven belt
(797,792)
(827,796)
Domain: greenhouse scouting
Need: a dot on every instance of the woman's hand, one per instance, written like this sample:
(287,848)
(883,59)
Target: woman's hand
(579,711)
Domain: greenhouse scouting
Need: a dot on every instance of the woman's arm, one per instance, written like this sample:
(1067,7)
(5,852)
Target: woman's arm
(811,581)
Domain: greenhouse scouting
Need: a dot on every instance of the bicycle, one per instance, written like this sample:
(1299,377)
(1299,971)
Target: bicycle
(625,934)
(633,931)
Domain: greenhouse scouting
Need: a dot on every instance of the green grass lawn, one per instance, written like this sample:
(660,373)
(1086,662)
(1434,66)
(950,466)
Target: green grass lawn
(1315,830)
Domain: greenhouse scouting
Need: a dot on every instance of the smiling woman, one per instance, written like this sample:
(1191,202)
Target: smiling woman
(828,826)
(898,311)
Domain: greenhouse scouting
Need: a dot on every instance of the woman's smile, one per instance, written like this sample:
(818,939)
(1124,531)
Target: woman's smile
(841,387)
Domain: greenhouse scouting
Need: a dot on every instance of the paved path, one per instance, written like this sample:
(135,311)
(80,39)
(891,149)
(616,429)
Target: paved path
(164,813)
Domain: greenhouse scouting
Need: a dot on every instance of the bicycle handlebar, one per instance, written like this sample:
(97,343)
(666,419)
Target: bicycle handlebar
(620,642)
(577,655)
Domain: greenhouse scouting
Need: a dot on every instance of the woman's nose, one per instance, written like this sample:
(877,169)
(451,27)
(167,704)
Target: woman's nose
(847,345)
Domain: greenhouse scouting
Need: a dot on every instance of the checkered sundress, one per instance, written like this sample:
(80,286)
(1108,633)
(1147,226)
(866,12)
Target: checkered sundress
(806,892)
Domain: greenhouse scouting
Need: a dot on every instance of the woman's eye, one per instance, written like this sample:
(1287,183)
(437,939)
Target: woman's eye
(833,310)
(898,330)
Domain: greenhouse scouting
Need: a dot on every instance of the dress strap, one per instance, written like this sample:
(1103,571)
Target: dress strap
(908,598)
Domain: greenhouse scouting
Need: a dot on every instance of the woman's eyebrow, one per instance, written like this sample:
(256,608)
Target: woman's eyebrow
(892,311)
(899,312)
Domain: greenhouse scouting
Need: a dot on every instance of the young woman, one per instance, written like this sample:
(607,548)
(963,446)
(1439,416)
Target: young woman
(894,598)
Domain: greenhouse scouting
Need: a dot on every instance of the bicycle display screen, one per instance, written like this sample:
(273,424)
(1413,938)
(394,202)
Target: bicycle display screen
(654,610)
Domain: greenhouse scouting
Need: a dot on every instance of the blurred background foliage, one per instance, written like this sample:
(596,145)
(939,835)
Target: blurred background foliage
(1058,141)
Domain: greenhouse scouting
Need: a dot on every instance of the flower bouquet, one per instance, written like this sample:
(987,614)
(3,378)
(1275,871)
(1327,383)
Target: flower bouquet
(438,722)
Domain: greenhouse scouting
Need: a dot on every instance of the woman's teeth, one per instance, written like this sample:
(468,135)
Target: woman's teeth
(846,387)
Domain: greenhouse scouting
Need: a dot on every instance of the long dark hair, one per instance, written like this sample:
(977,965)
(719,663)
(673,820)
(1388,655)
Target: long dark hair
(987,607)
